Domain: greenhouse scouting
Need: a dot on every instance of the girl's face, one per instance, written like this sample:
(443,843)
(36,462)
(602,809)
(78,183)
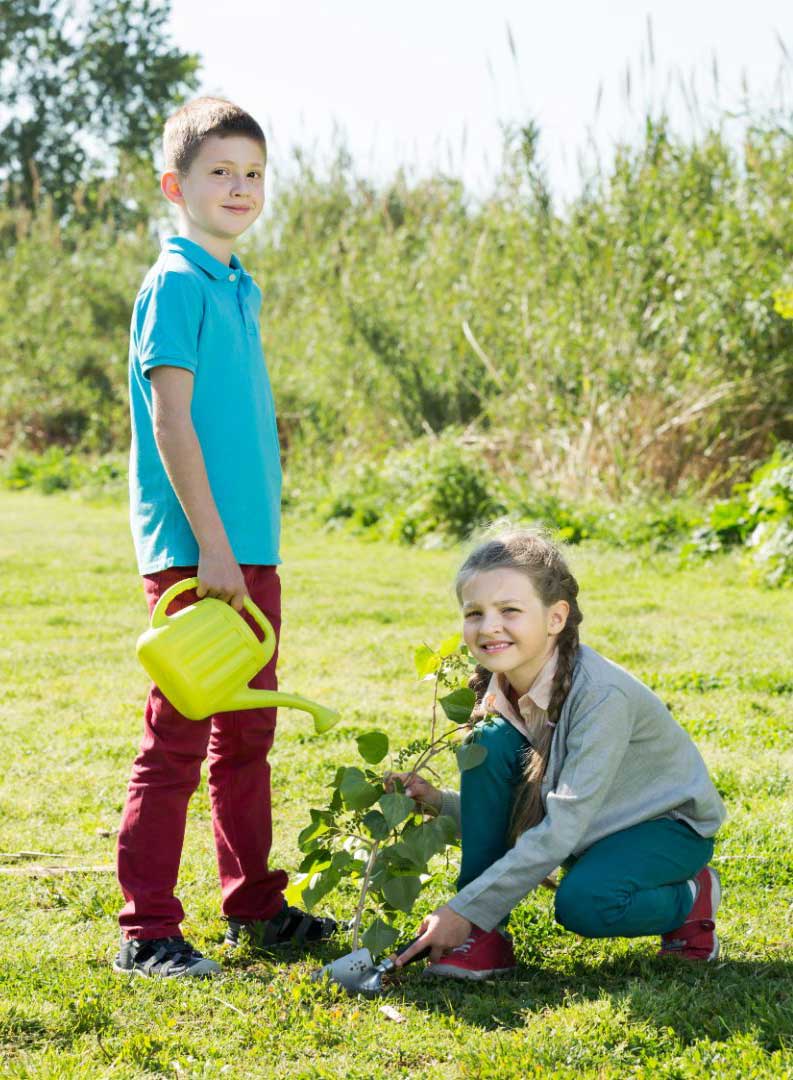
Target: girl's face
(507,627)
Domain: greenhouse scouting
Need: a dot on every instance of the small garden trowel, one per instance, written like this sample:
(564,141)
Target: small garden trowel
(358,973)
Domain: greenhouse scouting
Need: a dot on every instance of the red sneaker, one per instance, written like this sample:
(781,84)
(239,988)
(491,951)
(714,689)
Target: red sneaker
(696,938)
(481,956)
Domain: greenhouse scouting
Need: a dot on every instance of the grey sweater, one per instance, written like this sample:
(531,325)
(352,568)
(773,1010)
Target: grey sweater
(617,758)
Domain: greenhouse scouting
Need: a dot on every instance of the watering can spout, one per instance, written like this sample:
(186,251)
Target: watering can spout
(245,698)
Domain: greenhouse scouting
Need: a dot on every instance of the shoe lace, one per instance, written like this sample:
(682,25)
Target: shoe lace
(465,947)
(173,948)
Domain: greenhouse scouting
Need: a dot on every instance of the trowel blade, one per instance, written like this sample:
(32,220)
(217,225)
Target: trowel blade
(349,970)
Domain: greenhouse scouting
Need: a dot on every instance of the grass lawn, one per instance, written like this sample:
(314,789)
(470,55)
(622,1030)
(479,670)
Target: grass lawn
(717,650)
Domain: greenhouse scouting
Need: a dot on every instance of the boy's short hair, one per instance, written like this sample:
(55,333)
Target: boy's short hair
(189,127)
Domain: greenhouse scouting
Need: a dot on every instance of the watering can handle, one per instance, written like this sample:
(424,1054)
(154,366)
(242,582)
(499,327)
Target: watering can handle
(159,616)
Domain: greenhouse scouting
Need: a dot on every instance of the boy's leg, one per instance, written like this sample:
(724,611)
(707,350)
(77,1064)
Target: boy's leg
(164,776)
(486,796)
(634,882)
(239,782)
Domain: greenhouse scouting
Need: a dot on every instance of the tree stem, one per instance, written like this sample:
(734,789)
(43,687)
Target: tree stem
(356,923)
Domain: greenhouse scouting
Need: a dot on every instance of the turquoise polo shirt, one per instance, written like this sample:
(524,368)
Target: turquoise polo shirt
(194,312)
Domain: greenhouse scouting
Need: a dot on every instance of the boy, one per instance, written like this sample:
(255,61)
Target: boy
(205,485)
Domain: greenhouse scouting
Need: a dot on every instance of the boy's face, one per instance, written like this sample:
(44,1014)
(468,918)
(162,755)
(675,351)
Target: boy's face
(222,193)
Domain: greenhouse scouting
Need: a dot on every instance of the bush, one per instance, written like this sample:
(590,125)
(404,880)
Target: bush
(759,517)
(56,470)
(433,490)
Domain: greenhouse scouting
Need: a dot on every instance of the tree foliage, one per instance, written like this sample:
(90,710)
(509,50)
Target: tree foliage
(81,85)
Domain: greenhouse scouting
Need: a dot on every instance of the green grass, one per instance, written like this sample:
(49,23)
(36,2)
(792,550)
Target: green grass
(70,700)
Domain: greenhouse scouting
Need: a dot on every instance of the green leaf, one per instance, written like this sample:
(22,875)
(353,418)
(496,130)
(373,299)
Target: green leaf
(293,893)
(401,892)
(379,937)
(342,861)
(447,827)
(320,885)
(449,645)
(373,746)
(376,825)
(459,704)
(319,859)
(420,844)
(427,662)
(320,823)
(470,755)
(396,808)
(356,791)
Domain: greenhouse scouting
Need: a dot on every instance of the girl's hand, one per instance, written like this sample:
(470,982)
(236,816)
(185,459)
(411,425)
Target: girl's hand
(419,789)
(443,930)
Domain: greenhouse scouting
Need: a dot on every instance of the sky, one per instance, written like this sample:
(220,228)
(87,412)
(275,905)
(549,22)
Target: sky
(430,84)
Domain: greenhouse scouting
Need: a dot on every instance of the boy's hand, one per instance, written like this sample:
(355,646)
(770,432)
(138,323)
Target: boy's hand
(443,930)
(219,575)
(417,788)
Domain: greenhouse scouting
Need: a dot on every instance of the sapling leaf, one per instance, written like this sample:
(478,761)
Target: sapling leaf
(426,661)
(469,755)
(447,827)
(356,791)
(319,859)
(379,937)
(376,825)
(401,892)
(396,808)
(320,823)
(320,885)
(342,861)
(293,893)
(421,844)
(449,645)
(459,704)
(373,746)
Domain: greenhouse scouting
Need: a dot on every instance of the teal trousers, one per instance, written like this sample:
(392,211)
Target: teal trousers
(629,884)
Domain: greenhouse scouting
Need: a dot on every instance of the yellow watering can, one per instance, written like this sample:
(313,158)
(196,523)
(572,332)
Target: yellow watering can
(203,657)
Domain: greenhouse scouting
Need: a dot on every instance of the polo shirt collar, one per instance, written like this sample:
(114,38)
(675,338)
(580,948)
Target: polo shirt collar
(201,257)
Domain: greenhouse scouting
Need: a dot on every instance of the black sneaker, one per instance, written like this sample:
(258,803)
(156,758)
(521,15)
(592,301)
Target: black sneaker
(290,926)
(165,958)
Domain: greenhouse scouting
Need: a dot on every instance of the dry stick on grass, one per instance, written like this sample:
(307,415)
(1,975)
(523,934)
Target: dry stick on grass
(32,855)
(55,871)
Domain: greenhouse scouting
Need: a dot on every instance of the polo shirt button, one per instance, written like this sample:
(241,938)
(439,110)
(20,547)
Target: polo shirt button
(232,277)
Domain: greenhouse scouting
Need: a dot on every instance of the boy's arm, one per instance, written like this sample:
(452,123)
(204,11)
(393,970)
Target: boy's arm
(219,573)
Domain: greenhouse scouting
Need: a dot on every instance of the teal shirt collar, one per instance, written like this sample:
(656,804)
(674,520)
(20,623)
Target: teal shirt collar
(201,257)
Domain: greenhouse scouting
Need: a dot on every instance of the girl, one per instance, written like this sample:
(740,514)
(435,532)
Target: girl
(585,768)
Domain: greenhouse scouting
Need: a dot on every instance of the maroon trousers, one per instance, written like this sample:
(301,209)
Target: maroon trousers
(166,773)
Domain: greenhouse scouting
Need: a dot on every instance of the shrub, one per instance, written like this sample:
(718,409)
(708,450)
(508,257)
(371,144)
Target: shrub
(759,517)
(433,490)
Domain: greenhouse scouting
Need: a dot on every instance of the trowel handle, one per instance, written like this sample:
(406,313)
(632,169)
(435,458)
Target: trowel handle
(388,965)
(419,955)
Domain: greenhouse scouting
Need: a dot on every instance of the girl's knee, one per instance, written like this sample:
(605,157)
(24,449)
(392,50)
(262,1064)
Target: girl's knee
(575,910)
(502,741)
